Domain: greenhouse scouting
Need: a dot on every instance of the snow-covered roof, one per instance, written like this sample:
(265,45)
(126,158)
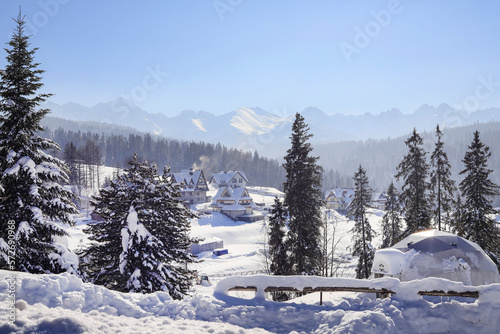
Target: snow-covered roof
(194,179)
(223,178)
(344,195)
(235,194)
(207,240)
(379,197)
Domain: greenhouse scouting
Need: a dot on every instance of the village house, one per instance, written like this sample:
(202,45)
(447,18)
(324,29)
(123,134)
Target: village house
(235,203)
(233,179)
(379,200)
(339,199)
(193,185)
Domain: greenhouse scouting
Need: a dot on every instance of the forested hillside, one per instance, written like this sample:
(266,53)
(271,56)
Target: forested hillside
(117,144)
(340,160)
(381,157)
(116,150)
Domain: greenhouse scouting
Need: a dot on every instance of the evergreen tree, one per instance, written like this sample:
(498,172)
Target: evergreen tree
(392,228)
(142,245)
(478,190)
(362,231)
(100,261)
(277,250)
(441,185)
(303,199)
(457,224)
(32,197)
(277,246)
(71,159)
(413,169)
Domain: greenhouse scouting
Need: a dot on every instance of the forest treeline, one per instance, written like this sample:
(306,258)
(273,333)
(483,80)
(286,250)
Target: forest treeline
(116,150)
(340,160)
(381,157)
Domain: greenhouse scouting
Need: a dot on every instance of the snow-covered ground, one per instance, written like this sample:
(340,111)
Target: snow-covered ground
(64,304)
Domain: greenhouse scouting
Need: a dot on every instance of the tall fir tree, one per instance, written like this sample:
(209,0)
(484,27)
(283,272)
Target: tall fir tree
(277,248)
(477,223)
(303,200)
(143,244)
(279,264)
(457,223)
(32,197)
(362,231)
(70,155)
(392,227)
(442,187)
(414,170)
(100,260)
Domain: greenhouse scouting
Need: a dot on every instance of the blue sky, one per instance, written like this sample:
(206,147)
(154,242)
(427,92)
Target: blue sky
(347,57)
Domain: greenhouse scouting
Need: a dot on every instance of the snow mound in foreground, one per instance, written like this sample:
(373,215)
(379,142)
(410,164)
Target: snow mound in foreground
(62,303)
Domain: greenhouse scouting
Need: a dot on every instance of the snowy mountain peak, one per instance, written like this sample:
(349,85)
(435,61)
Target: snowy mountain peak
(249,122)
(257,129)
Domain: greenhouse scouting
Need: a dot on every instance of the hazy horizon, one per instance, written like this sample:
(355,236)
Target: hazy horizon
(217,56)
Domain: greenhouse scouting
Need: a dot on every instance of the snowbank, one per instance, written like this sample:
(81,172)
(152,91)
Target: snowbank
(62,303)
(404,291)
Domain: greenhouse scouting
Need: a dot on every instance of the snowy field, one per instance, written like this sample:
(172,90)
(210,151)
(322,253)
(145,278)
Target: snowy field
(64,304)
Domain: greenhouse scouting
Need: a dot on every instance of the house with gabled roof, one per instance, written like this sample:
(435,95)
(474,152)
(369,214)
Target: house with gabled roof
(233,179)
(235,203)
(193,186)
(339,199)
(378,201)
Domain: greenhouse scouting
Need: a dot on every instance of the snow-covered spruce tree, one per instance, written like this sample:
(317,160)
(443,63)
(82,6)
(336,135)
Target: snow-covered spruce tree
(392,228)
(362,231)
(100,260)
(32,196)
(277,246)
(277,250)
(478,191)
(414,169)
(303,200)
(442,187)
(142,245)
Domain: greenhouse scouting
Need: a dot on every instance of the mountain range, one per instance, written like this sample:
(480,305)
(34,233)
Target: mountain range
(255,129)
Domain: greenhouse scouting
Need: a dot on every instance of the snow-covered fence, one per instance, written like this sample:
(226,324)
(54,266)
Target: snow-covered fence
(261,284)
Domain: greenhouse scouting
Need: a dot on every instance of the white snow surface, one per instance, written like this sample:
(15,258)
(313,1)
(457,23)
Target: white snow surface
(134,227)
(63,304)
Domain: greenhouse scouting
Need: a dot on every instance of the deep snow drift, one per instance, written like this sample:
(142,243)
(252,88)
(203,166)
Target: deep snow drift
(62,303)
